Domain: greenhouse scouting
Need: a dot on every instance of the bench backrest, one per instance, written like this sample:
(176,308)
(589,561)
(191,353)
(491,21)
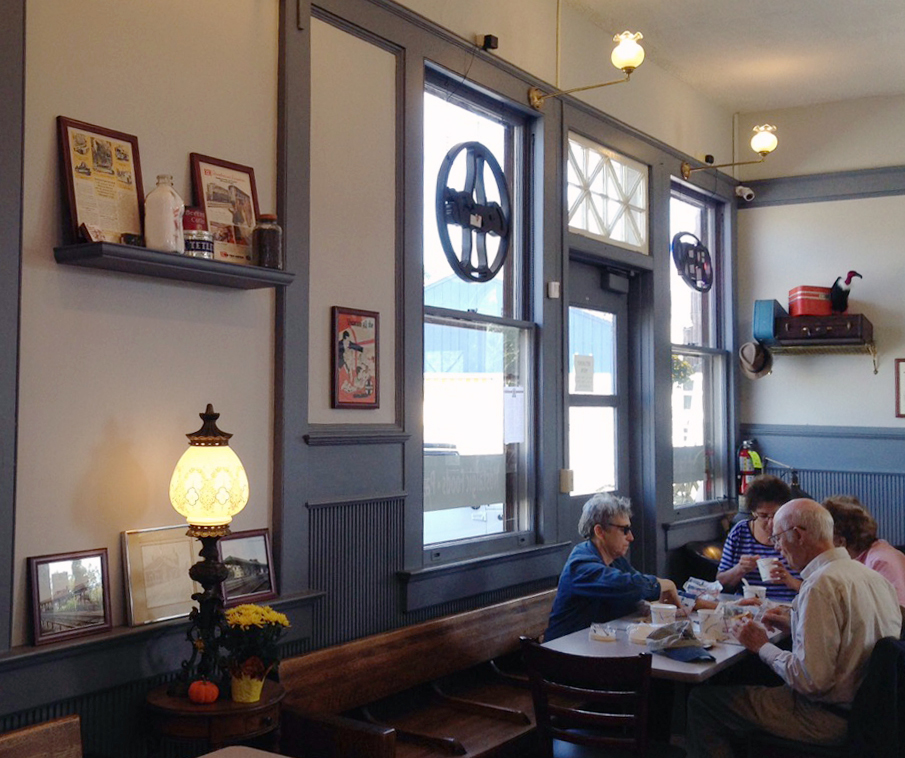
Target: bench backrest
(337,678)
(60,738)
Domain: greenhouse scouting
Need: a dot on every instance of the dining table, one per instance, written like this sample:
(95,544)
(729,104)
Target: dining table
(725,653)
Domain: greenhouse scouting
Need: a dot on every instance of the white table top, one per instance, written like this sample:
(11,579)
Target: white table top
(662,666)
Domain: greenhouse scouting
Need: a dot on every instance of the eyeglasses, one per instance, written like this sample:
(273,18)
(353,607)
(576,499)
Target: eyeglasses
(774,538)
(625,529)
(762,517)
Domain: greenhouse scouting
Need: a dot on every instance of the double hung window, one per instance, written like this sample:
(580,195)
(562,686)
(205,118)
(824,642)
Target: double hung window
(478,343)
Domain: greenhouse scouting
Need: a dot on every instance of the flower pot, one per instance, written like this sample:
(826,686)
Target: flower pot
(246,689)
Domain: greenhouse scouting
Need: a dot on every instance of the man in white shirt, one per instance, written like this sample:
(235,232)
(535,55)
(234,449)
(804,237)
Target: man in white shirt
(841,611)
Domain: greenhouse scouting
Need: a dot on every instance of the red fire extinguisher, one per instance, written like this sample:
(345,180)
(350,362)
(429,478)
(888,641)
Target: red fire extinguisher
(750,464)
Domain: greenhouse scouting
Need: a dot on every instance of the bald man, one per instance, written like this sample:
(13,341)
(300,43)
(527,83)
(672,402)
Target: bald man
(841,611)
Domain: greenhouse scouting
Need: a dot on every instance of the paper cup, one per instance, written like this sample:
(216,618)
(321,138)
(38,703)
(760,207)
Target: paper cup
(711,623)
(765,566)
(662,613)
(753,591)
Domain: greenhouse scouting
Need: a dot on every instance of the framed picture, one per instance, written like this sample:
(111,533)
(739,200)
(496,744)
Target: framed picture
(355,358)
(156,565)
(70,595)
(227,194)
(247,557)
(900,387)
(101,182)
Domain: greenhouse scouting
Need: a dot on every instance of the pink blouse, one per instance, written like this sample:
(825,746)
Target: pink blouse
(889,562)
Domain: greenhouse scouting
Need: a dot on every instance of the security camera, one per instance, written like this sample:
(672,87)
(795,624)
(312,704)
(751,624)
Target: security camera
(746,193)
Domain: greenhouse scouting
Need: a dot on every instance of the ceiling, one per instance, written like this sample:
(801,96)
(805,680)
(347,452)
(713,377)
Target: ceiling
(754,55)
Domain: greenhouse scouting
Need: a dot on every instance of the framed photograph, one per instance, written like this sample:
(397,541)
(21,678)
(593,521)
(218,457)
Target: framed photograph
(101,182)
(227,194)
(355,358)
(900,387)
(247,556)
(156,565)
(70,595)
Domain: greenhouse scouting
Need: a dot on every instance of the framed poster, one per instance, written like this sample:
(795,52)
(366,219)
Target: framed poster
(156,564)
(247,557)
(70,595)
(227,194)
(900,387)
(355,340)
(101,182)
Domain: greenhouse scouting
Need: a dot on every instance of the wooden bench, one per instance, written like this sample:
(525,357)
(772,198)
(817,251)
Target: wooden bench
(424,691)
(60,738)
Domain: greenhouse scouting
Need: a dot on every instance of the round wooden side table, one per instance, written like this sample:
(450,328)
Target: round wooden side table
(221,723)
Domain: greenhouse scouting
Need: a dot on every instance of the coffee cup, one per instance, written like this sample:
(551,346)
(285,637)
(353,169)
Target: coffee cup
(662,613)
(752,590)
(765,566)
(711,624)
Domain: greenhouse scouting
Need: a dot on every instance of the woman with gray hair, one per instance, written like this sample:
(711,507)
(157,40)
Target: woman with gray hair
(598,583)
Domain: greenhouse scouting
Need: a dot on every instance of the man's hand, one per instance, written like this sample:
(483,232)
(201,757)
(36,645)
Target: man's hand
(780,573)
(778,618)
(752,635)
(669,594)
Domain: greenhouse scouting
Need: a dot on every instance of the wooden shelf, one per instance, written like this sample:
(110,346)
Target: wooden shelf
(848,348)
(130,259)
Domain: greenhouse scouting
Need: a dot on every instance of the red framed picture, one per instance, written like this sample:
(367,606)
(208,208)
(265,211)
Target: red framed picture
(355,339)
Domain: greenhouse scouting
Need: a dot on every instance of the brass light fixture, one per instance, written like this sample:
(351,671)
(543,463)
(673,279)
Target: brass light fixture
(626,56)
(209,486)
(763,143)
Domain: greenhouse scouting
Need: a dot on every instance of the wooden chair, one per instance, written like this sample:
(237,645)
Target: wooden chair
(590,706)
(60,738)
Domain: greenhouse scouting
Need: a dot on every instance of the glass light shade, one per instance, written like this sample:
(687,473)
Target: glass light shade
(764,140)
(628,54)
(209,485)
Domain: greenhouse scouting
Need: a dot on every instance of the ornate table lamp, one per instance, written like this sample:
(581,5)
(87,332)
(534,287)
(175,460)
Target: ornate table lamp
(209,487)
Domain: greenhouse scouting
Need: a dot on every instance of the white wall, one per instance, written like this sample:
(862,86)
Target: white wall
(811,244)
(353,207)
(114,369)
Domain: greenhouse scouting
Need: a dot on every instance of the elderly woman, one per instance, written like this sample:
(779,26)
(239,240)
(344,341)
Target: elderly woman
(750,540)
(598,583)
(856,530)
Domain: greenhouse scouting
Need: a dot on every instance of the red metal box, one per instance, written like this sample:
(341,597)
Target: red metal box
(810,301)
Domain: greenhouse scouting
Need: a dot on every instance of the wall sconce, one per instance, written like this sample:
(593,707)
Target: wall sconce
(763,142)
(208,487)
(626,56)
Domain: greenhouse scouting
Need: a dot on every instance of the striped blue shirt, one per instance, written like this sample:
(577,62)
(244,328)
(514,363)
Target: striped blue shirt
(741,541)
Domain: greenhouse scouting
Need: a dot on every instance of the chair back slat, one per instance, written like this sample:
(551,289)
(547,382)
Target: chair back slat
(588,700)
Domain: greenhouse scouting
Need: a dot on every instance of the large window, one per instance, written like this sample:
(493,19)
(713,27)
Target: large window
(478,359)
(699,365)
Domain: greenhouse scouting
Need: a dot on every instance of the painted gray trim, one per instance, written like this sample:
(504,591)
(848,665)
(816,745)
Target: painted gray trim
(356,436)
(817,188)
(12,125)
(346,502)
(441,584)
(879,450)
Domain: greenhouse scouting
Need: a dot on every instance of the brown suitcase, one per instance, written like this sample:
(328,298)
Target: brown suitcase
(838,329)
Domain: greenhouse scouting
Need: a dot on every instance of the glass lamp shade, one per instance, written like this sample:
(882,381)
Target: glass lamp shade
(209,485)
(764,140)
(628,54)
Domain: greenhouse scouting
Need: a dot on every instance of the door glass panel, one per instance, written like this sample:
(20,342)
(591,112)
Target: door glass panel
(592,352)
(592,448)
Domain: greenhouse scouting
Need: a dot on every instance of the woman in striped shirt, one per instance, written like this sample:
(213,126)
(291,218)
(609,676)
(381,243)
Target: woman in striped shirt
(750,540)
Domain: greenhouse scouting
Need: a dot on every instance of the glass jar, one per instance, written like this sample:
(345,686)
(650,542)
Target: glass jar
(163,217)
(267,242)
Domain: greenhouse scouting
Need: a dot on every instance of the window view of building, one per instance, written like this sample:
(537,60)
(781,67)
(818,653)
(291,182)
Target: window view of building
(477,347)
(699,367)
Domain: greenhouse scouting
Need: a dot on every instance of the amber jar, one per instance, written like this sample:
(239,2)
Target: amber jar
(267,242)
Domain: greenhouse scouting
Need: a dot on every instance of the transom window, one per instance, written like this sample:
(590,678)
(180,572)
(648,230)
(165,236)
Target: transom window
(607,195)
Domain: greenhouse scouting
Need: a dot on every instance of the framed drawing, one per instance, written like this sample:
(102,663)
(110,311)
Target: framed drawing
(247,557)
(156,565)
(227,194)
(900,387)
(355,340)
(70,595)
(101,182)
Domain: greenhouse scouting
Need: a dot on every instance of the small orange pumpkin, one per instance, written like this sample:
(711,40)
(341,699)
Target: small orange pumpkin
(203,691)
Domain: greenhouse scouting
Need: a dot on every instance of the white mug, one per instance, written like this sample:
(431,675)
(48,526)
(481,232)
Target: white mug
(662,613)
(755,591)
(765,566)
(711,621)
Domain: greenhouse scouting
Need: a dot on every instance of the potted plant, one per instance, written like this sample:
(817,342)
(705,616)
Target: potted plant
(250,636)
